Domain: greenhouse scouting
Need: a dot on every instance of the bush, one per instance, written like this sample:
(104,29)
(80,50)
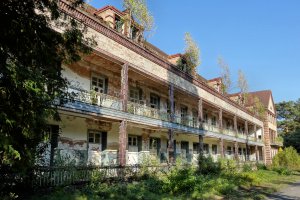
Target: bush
(261,166)
(282,171)
(288,158)
(206,165)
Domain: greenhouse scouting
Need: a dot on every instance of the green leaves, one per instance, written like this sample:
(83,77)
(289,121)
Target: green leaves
(31,55)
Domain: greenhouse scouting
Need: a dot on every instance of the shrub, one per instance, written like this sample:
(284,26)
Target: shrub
(288,158)
(206,165)
(282,171)
(247,167)
(261,166)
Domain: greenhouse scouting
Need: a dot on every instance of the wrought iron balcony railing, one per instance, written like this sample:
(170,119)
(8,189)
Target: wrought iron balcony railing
(140,108)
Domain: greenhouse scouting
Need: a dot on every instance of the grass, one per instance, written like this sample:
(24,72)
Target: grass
(182,184)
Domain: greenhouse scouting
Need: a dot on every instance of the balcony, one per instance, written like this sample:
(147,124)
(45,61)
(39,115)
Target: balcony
(95,102)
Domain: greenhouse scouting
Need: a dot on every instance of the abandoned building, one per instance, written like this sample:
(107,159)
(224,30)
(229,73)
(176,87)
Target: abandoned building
(132,102)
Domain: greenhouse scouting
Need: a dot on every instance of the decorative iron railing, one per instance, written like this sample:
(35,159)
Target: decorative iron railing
(74,175)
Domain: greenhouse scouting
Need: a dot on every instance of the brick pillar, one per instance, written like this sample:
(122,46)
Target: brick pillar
(221,144)
(171,131)
(123,124)
(122,142)
(267,148)
(220,118)
(200,112)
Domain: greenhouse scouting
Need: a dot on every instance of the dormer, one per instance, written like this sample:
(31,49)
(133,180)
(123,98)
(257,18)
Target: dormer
(174,58)
(216,83)
(120,21)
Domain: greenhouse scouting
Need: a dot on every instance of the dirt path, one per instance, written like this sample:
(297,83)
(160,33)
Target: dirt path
(292,192)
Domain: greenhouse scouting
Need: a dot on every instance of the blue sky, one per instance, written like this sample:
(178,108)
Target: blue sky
(262,38)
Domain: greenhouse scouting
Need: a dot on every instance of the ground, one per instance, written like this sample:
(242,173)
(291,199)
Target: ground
(291,192)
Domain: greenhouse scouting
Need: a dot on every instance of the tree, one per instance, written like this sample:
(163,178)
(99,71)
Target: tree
(191,57)
(243,86)
(288,116)
(31,55)
(292,140)
(225,75)
(258,107)
(139,11)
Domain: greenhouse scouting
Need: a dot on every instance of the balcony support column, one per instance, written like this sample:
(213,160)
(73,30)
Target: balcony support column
(235,125)
(200,112)
(221,144)
(255,133)
(124,86)
(256,153)
(220,118)
(236,150)
(247,140)
(201,146)
(122,143)
(171,131)
(123,124)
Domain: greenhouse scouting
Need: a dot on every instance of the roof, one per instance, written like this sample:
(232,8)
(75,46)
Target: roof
(215,79)
(109,7)
(263,95)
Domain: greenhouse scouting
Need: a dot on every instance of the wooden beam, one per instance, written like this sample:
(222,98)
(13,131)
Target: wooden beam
(220,118)
(124,86)
(200,112)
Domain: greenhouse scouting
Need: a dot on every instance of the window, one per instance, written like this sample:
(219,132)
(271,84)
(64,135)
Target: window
(206,148)
(205,117)
(229,151)
(98,83)
(134,95)
(195,118)
(132,141)
(214,121)
(154,101)
(183,114)
(214,148)
(119,23)
(94,137)
(153,143)
(195,148)
(240,151)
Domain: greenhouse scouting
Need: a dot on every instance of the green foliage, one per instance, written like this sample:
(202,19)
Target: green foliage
(206,165)
(282,170)
(258,107)
(288,159)
(31,55)
(261,166)
(225,75)
(139,11)
(247,167)
(288,115)
(243,85)
(191,57)
(292,139)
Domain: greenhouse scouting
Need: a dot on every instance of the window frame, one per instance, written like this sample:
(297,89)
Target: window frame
(96,87)
(94,133)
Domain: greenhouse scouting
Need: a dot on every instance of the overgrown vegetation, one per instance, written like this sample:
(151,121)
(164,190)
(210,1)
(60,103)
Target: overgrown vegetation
(288,121)
(212,180)
(31,57)
(189,61)
(225,75)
